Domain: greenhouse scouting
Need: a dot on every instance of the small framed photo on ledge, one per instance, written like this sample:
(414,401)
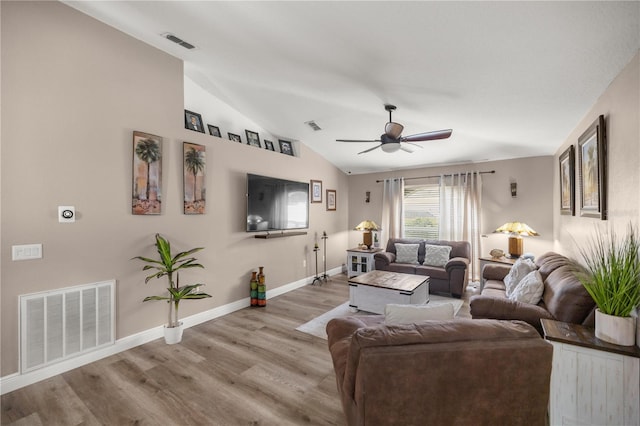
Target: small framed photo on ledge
(268,145)
(193,121)
(214,130)
(252,138)
(234,137)
(286,147)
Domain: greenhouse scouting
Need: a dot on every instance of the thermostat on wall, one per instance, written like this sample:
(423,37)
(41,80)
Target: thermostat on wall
(66,214)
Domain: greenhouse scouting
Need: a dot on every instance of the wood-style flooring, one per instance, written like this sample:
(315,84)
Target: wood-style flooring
(250,367)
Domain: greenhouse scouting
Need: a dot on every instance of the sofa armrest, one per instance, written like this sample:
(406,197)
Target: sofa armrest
(456,263)
(383,259)
(495,272)
(488,307)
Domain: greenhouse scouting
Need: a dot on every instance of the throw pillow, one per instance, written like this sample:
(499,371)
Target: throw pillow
(407,253)
(529,289)
(407,314)
(518,271)
(436,255)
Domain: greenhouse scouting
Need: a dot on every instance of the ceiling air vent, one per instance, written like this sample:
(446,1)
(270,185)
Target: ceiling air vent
(313,125)
(178,40)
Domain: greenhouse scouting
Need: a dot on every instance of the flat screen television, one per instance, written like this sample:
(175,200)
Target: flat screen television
(276,204)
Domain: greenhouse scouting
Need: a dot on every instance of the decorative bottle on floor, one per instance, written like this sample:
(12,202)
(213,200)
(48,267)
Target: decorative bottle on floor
(254,289)
(262,289)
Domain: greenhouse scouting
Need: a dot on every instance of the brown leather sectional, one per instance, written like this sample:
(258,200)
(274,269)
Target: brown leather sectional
(564,298)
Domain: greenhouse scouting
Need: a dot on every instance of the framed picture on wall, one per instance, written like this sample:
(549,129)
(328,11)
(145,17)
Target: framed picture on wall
(147,174)
(567,181)
(214,130)
(193,121)
(316,191)
(331,199)
(234,137)
(268,145)
(194,168)
(286,147)
(592,170)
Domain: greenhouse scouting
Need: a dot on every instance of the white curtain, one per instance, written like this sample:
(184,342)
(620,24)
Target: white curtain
(392,209)
(460,213)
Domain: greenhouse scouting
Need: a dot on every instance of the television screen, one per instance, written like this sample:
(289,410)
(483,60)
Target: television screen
(276,204)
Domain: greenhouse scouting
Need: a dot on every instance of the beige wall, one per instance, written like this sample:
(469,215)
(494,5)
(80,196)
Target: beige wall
(73,91)
(620,104)
(532,205)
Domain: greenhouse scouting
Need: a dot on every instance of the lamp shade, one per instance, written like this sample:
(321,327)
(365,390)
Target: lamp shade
(517,228)
(367,225)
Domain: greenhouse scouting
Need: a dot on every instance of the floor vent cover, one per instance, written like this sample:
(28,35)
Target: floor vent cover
(60,324)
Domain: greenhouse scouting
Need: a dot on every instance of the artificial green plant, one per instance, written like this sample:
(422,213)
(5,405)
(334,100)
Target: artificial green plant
(168,265)
(612,272)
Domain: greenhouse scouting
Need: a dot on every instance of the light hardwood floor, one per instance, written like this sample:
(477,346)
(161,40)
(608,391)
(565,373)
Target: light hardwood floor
(250,367)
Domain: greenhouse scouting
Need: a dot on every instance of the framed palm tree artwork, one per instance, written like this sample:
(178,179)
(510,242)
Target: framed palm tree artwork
(147,174)
(195,162)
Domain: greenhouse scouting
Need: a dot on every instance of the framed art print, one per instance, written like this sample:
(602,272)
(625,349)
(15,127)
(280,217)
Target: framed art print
(268,145)
(567,182)
(316,191)
(286,147)
(214,130)
(331,199)
(234,137)
(592,170)
(194,173)
(193,121)
(252,138)
(147,174)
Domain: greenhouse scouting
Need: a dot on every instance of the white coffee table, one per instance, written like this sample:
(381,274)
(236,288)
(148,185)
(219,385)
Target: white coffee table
(372,291)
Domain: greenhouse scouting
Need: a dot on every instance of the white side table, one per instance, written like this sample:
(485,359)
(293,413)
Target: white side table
(360,261)
(592,382)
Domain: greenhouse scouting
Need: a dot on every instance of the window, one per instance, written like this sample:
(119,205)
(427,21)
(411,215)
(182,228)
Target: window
(422,211)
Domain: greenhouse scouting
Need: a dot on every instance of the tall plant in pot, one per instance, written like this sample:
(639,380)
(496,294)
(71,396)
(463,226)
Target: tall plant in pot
(612,278)
(169,265)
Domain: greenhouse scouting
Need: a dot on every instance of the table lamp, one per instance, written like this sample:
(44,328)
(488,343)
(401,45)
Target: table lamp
(516,231)
(367,226)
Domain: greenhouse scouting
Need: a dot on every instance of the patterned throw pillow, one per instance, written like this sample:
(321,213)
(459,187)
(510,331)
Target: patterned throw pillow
(407,253)
(518,271)
(408,314)
(436,255)
(529,289)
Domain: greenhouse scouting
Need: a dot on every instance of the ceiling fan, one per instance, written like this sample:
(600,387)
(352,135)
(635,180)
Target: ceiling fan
(392,141)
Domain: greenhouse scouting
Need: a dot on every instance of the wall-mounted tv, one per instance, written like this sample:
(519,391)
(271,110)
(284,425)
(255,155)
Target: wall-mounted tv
(276,204)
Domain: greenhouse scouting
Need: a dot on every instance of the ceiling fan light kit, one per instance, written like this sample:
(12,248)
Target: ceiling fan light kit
(392,141)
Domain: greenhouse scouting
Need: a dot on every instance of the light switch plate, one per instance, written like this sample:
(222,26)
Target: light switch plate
(26,252)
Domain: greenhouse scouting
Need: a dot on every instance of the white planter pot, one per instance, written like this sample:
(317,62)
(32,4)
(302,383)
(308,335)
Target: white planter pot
(173,335)
(617,330)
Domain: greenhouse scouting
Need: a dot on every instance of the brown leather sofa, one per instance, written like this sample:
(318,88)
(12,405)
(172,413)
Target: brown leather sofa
(455,372)
(450,279)
(563,299)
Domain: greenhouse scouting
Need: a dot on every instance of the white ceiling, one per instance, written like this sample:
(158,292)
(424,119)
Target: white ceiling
(512,79)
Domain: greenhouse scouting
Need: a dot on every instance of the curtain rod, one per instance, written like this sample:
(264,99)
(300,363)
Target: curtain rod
(436,176)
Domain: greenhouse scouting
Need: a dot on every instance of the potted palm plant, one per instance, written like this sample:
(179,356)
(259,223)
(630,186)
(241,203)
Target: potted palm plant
(169,265)
(612,278)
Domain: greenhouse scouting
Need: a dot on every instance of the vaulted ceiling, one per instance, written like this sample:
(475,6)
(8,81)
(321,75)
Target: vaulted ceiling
(512,79)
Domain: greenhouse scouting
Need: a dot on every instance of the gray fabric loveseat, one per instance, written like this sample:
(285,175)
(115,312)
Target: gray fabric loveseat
(447,274)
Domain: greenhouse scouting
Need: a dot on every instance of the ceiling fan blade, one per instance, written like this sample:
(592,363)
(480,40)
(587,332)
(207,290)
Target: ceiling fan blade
(370,149)
(406,148)
(427,136)
(357,140)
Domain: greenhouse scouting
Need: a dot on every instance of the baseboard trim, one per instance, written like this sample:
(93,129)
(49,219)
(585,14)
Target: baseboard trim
(16,381)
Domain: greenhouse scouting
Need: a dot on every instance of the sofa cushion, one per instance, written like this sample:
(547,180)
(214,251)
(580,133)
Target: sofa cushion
(407,314)
(407,253)
(436,255)
(403,268)
(518,271)
(529,289)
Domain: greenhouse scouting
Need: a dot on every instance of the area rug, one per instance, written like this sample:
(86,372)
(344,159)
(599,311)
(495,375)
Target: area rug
(316,327)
